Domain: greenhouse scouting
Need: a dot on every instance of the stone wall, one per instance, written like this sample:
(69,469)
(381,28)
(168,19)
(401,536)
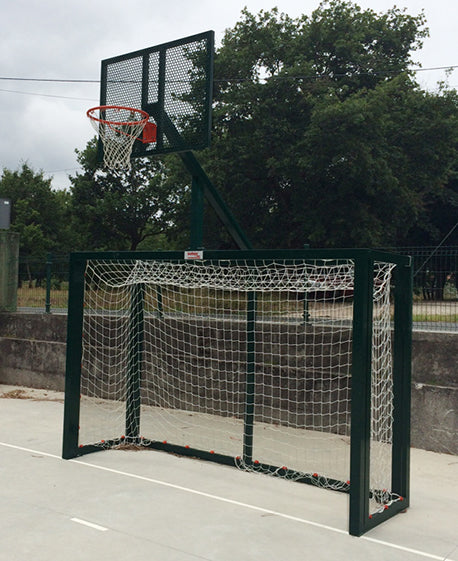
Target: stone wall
(32,353)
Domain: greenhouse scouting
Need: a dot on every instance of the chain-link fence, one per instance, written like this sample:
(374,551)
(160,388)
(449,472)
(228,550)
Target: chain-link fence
(435,287)
(43,285)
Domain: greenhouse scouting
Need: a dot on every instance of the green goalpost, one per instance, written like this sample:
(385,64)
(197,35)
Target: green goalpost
(290,363)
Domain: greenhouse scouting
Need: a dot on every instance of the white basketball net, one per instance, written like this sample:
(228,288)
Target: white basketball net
(118,128)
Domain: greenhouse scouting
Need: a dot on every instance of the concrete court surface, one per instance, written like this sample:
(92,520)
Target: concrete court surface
(149,505)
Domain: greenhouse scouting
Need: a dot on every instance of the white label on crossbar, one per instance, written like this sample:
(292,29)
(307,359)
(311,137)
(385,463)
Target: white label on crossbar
(193,254)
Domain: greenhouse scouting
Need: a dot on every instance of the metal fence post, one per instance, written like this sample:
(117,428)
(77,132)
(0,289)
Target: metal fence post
(48,283)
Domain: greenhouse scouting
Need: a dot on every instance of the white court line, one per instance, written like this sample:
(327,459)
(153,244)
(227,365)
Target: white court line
(37,452)
(232,502)
(90,524)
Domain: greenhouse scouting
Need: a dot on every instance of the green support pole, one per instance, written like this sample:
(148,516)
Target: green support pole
(215,201)
(361,396)
(135,362)
(402,356)
(48,283)
(250,378)
(195,169)
(74,356)
(305,310)
(197,214)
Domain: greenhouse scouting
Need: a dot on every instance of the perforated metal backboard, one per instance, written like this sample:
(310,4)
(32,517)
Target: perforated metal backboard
(173,83)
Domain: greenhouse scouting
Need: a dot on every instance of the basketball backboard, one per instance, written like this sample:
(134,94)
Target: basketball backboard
(173,83)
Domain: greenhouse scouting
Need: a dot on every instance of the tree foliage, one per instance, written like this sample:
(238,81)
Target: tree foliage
(321,134)
(38,213)
(122,209)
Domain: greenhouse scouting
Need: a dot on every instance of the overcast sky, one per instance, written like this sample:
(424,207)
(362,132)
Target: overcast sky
(43,122)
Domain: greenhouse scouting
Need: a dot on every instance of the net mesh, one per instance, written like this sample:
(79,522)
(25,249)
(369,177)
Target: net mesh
(118,128)
(381,392)
(251,360)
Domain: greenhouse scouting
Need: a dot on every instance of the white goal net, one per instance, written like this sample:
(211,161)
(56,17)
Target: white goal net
(246,360)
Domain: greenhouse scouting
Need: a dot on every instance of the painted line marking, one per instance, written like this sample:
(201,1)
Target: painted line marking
(37,452)
(229,501)
(211,496)
(89,524)
(407,549)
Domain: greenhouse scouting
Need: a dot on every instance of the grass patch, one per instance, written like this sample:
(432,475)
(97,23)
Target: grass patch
(192,302)
(36,298)
(450,318)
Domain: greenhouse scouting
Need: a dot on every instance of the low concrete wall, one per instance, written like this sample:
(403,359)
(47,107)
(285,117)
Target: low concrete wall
(32,350)
(32,353)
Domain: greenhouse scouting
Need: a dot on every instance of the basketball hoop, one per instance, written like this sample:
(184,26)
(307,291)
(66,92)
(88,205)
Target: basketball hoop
(118,127)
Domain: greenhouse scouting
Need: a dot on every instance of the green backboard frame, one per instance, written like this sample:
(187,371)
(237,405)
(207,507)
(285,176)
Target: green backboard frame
(173,83)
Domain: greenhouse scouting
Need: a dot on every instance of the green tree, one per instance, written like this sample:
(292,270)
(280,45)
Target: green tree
(38,213)
(117,210)
(321,134)
(383,155)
